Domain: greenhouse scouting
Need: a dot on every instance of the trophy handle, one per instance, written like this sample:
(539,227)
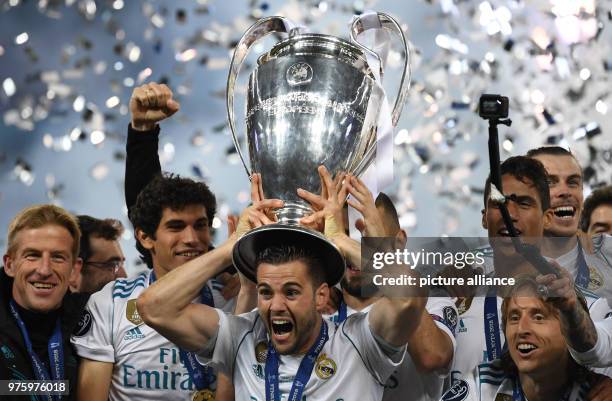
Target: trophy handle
(257,31)
(363,23)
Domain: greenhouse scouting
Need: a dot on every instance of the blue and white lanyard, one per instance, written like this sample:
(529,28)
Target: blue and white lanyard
(54,347)
(303,374)
(491,326)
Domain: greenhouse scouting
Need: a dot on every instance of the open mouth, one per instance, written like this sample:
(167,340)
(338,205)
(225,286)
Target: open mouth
(565,212)
(526,348)
(281,327)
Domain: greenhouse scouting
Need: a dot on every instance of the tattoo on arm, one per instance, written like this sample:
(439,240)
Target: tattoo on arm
(578,329)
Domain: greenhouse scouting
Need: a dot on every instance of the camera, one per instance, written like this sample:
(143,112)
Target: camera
(493,106)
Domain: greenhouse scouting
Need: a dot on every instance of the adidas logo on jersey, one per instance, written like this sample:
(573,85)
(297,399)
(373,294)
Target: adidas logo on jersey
(133,334)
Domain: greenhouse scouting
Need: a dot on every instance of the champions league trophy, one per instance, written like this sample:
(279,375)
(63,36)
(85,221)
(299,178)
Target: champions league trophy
(312,99)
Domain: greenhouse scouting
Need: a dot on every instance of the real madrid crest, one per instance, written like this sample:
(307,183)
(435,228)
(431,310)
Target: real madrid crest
(203,395)
(325,367)
(261,352)
(595,279)
(131,313)
(299,74)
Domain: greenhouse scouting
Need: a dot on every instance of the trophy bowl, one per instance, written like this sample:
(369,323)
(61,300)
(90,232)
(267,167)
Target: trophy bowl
(312,100)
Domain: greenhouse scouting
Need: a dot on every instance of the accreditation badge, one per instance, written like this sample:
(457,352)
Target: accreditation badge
(203,395)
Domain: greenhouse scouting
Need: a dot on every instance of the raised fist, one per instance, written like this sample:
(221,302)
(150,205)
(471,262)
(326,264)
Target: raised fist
(151,103)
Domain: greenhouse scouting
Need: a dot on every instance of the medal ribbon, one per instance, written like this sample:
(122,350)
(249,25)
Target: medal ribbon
(54,347)
(304,371)
(491,326)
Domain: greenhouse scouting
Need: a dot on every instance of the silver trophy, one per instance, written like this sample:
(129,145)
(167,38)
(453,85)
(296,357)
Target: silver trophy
(312,99)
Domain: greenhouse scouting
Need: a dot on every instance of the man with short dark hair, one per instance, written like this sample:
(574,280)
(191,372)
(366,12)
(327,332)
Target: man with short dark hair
(102,257)
(286,349)
(597,213)
(37,312)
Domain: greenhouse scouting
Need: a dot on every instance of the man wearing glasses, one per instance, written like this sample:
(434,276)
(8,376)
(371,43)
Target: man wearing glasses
(103,260)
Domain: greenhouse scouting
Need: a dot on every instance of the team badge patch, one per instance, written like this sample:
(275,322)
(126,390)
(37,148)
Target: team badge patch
(595,279)
(463,304)
(325,367)
(131,313)
(261,352)
(450,317)
(203,395)
(458,392)
(84,324)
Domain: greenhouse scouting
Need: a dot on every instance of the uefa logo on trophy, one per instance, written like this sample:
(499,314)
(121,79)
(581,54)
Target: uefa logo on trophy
(312,100)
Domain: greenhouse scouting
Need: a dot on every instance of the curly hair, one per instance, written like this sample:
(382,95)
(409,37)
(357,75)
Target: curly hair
(167,191)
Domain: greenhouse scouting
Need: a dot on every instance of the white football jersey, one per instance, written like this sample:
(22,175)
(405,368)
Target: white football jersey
(351,365)
(599,264)
(146,365)
(494,384)
(406,383)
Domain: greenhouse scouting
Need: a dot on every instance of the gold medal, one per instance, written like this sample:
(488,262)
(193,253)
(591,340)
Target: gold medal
(203,395)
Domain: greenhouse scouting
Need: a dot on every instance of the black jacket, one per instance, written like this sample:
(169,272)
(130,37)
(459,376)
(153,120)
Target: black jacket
(15,362)
(141,162)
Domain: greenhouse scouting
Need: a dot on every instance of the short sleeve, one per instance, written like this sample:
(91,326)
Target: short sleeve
(221,350)
(92,338)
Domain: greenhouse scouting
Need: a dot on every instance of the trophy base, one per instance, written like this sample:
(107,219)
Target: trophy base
(252,243)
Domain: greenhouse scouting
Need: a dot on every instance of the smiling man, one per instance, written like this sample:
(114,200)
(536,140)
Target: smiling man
(37,312)
(592,272)
(537,365)
(122,357)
